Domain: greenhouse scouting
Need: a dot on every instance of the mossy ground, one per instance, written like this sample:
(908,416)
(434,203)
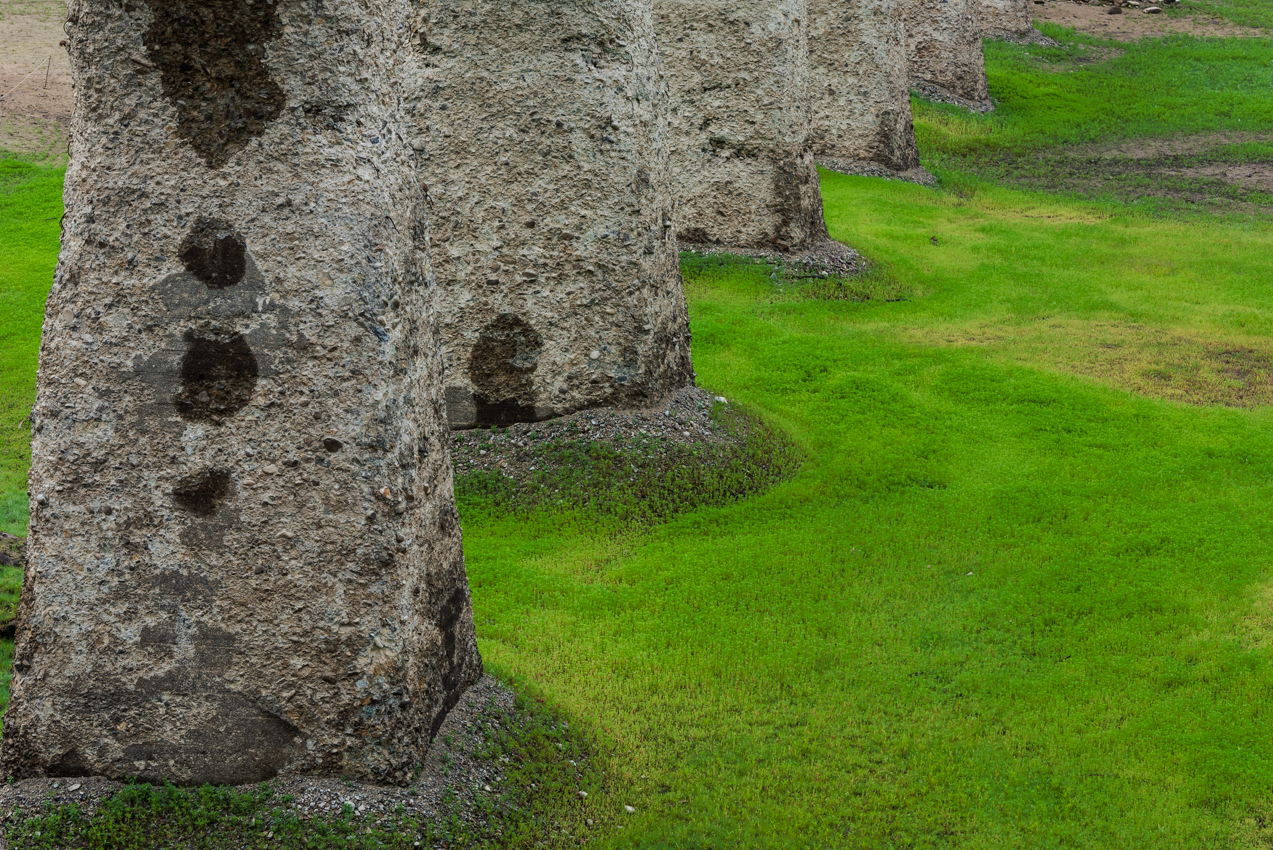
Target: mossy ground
(1018,593)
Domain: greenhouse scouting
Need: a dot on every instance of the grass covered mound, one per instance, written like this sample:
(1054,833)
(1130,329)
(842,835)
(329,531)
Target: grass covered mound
(630,475)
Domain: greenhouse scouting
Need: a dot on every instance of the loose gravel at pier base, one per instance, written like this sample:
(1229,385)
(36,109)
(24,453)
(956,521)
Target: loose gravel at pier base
(682,419)
(453,777)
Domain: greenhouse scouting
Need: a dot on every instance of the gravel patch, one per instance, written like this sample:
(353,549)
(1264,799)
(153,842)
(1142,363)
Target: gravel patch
(863,168)
(449,767)
(682,418)
(824,258)
(937,94)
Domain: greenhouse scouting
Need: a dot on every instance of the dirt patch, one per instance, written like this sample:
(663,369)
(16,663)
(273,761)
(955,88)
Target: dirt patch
(12,550)
(1252,176)
(35,79)
(1220,172)
(1152,362)
(1140,149)
(1134,23)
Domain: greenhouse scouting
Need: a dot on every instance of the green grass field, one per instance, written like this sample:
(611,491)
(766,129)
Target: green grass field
(1019,593)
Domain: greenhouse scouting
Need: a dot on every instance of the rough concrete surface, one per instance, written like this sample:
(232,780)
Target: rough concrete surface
(455,778)
(742,163)
(244,557)
(1010,19)
(542,132)
(861,104)
(944,48)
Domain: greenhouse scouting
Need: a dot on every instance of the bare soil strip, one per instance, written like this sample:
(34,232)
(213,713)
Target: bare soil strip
(1134,23)
(35,79)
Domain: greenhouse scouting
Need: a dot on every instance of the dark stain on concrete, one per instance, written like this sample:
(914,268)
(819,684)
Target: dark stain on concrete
(70,763)
(203,495)
(797,204)
(501,364)
(210,57)
(895,142)
(453,684)
(217,377)
(226,738)
(215,254)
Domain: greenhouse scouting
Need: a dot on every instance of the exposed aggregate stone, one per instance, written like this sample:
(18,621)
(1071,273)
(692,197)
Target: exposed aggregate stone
(244,555)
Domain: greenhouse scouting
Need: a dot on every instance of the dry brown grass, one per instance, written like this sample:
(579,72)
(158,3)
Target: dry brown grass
(1176,365)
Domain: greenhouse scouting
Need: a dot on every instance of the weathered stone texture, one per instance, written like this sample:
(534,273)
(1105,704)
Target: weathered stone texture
(244,556)
(738,79)
(859,86)
(944,47)
(1006,18)
(542,133)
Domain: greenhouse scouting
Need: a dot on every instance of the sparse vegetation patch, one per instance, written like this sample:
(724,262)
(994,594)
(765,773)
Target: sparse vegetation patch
(520,777)
(631,467)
